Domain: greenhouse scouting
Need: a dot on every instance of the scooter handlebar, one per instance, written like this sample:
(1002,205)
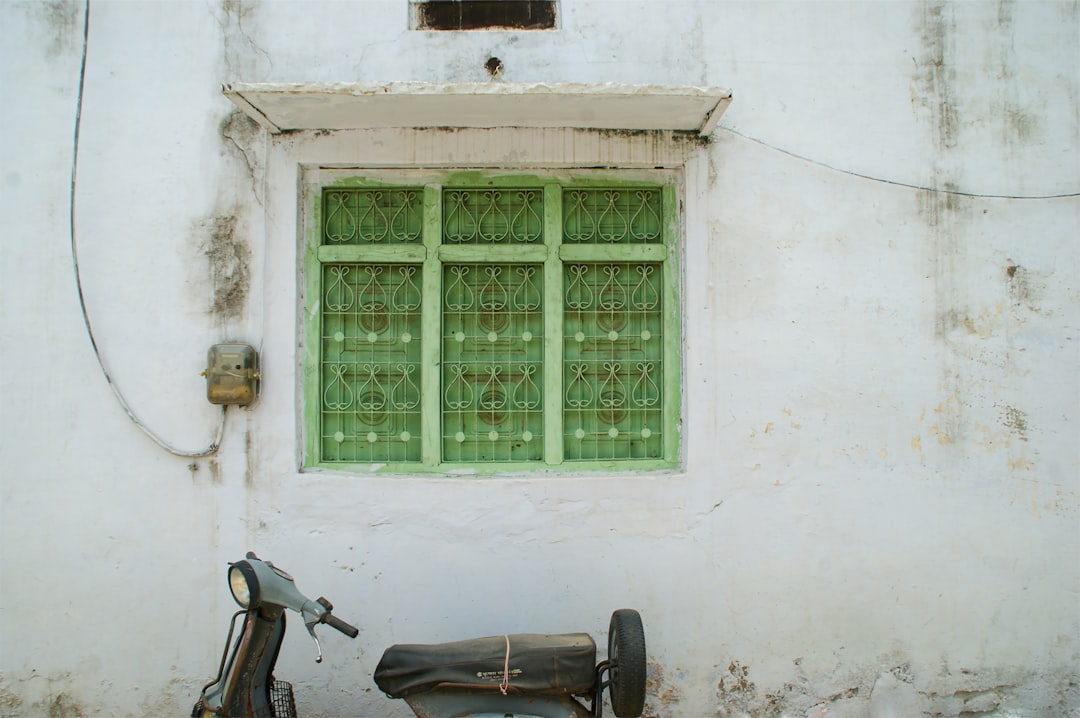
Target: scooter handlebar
(334,622)
(330,620)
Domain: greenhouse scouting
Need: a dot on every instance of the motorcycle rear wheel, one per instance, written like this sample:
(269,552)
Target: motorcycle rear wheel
(626,652)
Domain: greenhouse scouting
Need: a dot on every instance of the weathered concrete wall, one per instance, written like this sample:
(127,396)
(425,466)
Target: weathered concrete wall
(877,514)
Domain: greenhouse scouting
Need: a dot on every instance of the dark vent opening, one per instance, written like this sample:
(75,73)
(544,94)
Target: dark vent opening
(486,14)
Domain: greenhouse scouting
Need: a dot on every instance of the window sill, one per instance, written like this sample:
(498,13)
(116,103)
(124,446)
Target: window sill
(511,470)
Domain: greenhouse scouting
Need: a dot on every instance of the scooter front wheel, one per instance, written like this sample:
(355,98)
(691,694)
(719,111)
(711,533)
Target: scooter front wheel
(626,653)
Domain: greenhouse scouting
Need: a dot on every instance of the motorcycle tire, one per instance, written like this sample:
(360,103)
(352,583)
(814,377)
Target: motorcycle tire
(626,652)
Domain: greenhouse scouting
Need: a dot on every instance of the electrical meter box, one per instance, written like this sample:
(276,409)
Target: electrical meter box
(232,374)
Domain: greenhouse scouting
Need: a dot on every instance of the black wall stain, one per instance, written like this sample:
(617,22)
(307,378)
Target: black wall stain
(1020,124)
(944,214)
(1025,289)
(229,259)
(935,74)
(63,22)
(1015,421)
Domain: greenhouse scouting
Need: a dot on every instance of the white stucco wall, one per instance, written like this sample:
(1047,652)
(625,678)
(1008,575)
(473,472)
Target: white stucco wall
(878,505)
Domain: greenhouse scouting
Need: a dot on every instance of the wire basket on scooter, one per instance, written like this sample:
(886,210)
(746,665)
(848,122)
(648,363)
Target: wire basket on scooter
(281,700)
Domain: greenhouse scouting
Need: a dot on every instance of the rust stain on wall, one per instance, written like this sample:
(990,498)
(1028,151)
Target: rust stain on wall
(65,707)
(215,471)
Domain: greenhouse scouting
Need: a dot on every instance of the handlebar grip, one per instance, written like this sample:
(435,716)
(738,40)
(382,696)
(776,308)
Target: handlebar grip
(335,622)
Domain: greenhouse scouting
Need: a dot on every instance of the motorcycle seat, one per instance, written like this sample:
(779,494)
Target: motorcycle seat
(538,663)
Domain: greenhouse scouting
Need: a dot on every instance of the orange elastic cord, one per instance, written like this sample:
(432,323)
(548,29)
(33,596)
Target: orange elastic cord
(505,685)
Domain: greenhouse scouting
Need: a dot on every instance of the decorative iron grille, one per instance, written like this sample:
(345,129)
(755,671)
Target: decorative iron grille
(523,373)
(373,216)
(371,362)
(493,216)
(612,361)
(493,362)
(612,216)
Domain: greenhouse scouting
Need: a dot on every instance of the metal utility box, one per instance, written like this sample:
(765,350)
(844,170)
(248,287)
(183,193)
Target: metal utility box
(232,374)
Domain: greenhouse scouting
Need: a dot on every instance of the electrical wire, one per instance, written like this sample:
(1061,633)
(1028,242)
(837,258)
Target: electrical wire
(78,279)
(871,178)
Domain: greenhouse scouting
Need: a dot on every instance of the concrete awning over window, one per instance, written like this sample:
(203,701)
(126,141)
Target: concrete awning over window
(333,106)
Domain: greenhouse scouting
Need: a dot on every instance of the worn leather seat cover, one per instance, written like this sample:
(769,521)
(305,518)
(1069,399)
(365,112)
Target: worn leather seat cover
(551,664)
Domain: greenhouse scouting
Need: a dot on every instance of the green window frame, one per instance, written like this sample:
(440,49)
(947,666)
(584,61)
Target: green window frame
(483,323)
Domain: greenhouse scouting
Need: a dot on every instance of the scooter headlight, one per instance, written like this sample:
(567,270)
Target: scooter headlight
(244,584)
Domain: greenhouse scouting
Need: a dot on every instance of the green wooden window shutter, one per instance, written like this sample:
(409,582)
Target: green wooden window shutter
(507,324)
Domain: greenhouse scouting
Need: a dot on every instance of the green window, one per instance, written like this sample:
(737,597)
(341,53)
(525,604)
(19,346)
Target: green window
(492,324)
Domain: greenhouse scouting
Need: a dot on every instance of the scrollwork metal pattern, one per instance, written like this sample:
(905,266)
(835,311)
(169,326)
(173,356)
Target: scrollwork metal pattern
(492,216)
(613,361)
(371,363)
(372,216)
(492,352)
(612,216)
(491,368)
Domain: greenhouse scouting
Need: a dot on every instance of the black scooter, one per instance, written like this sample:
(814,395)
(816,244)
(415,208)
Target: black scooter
(511,676)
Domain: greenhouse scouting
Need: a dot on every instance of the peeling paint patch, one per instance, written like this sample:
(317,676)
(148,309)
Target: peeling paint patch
(736,693)
(880,690)
(8,700)
(659,695)
(64,706)
(41,700)
(970,702)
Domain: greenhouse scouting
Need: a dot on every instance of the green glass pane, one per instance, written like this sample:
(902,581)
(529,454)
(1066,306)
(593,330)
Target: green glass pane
(372,216)
(493,216)
(612,216)
(612,361)
(493,368)
(369,376)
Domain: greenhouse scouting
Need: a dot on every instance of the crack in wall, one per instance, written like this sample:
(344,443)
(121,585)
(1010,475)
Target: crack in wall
(241,53)
(245,135)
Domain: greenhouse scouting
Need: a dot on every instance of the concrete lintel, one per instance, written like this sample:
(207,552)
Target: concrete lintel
(339,106)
